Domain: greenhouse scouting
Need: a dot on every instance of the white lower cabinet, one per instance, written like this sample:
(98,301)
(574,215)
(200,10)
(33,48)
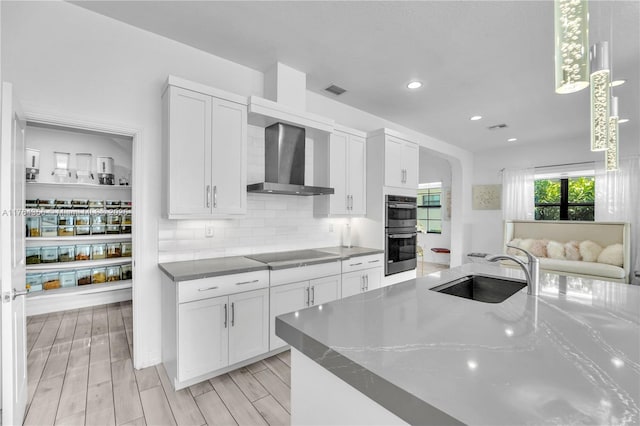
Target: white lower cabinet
(249,325)
(360,281)
(299,295)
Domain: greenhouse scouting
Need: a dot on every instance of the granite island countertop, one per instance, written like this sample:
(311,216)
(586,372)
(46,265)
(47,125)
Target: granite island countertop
(569,356)
(204,268)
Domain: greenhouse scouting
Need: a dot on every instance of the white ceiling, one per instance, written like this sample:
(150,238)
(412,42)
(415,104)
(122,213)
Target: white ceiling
(492,58)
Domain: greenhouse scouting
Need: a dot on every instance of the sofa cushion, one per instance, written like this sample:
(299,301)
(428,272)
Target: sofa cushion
(612,255)
(590,251)
(555,250)
(572,250)
(580,267)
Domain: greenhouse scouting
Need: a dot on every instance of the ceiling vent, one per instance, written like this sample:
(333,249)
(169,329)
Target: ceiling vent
(336,90)
(497,126)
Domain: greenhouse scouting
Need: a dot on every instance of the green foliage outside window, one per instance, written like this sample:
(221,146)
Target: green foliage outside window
(565,199)
(429,211)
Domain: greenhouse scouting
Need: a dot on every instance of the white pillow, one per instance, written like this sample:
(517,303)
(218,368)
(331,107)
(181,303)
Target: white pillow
(539,248)
(612,255)
(590,251)
(526,244)
(572,250)
(555,250)
(515,242)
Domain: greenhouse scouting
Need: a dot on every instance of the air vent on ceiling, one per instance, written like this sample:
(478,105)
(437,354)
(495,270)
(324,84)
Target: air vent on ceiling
(336,90)
(497,126)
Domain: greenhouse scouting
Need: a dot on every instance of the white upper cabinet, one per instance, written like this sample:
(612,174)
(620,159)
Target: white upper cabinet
(401,163)
(346,167)
(205,151)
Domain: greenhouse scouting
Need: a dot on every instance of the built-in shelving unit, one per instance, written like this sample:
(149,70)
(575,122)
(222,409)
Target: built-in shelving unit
(87,281)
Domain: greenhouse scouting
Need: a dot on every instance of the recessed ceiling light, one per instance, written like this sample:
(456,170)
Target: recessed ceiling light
(414,85)
(623,120)
(617,83)
(512,139)
(476,118)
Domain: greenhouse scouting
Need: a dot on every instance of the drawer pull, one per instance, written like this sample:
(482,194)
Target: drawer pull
(208,288)
(355,264)
(248,282)
(374,261)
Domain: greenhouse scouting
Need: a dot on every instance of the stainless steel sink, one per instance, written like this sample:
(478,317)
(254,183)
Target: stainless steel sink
(481,288)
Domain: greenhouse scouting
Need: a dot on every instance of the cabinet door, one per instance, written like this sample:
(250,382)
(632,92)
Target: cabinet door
(229,154)
(352,283)
(357,175)
(285,298)
(373,278)
(324,290)
(248,325)
(410,155)
(393,170)
(203,336)
(189,152)
(338,203)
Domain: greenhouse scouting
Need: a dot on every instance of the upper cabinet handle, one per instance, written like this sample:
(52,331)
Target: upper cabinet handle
(208,195)
(215,196)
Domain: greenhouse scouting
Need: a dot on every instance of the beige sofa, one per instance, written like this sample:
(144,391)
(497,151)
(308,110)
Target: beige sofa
(603,233)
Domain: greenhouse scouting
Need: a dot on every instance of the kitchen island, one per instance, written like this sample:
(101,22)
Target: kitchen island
(406,354)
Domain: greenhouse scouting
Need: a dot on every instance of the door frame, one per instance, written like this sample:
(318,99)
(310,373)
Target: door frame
(137,194)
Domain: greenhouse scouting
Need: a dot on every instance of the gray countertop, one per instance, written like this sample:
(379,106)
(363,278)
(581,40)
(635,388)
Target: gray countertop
(569,356)
(195,269)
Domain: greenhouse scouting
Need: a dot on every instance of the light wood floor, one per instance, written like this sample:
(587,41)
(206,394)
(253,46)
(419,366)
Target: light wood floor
(80,373)
(426,268)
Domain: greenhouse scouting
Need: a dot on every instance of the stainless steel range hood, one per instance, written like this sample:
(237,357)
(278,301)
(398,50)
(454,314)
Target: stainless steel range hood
(284,163)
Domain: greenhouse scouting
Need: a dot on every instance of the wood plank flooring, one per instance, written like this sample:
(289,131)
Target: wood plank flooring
(80,372)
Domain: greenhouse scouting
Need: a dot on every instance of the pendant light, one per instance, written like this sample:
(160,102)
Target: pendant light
(571,21)
(612,143)
(600,94)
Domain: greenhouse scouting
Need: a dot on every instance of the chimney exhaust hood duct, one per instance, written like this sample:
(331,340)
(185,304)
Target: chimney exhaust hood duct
(284,163)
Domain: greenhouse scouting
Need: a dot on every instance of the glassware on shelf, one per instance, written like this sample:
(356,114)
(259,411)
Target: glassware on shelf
(66,231)
(98,275)
(126,219)
(50,280)
(47,204)
(83,276)
(66,253)
(113,219)
(34,282)
(33,255)
(83,168)
(49,231)
(125,229)
(83,230)
(127,272)
(113,250)
(83,219)
(112,204)
(98,229)
(49,254)
(65,220)
(98,251)
(80,204)
(49,219)
(83,252)
(61,172)
(96,204)
(33,226)
(99,219)
(105,171)
(32,164)
(113,229)
(126,249)
(68,279)
(113,273)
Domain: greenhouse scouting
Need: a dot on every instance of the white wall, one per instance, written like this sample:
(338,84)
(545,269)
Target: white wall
(435,169)
(71,63)
(487,233)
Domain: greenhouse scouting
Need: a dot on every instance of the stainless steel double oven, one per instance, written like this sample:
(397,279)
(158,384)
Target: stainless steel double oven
(400,234)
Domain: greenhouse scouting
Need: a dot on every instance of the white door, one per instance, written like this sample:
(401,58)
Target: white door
(249,325)
(189,180)
(12,262)
(229,153)
(410,155)
(324,290)
(338,173)
(373,278)
(357,175)
(203,337)
(284,299)
(393,169)
(352,283)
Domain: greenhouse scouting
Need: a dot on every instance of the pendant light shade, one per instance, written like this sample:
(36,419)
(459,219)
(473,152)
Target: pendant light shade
(612,145)
(571,45)
(600,94)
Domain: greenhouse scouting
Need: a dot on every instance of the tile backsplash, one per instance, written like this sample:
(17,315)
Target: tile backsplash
(273,222)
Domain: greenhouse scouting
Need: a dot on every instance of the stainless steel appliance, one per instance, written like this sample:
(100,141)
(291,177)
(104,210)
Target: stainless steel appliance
(400,234)
(284,163)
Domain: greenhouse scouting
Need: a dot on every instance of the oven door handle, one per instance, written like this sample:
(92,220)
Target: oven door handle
(397,236)
(402,206)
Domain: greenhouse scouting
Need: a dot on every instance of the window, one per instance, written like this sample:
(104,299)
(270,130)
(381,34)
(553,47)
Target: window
(429,209)
(565,198)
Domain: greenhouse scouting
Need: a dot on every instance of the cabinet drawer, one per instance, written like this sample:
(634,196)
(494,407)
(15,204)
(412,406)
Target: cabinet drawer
(219,286)
(362,262)
(305,273)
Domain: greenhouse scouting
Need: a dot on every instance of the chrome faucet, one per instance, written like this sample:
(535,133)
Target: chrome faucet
(531,268)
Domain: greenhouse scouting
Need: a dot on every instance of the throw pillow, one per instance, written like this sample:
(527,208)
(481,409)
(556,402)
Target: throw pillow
(539,248)
(515,242)
(590,251)
(555,250)
(572,251)
(526,244)
(612,255)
